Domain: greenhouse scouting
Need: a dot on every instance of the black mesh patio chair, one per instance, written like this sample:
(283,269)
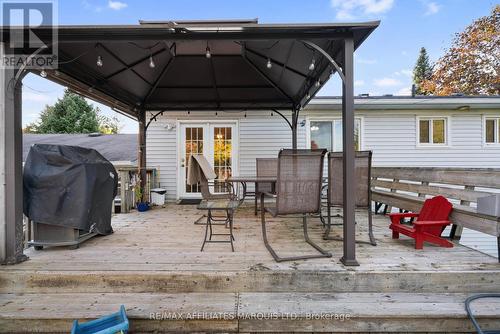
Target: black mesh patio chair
(266,167)
(298,191)
(363,165)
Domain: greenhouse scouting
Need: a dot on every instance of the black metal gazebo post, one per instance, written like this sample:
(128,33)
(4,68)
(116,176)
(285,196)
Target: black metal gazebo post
(11,165)
(349,257)
(141,159)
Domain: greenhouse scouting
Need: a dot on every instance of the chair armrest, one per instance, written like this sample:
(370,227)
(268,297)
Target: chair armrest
(228,189)
(396,217)
(430,223)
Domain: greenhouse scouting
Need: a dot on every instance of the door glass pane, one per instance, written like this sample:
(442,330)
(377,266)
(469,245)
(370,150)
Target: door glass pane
(321,135)
(222,155)
(337,138)
(193,145)
(438,131)
(424,131)
(490,130)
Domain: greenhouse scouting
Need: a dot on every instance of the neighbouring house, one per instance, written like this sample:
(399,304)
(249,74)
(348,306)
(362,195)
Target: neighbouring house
(119,148)
(422,131)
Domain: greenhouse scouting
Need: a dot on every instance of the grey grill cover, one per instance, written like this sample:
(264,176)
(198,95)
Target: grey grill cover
(69,186)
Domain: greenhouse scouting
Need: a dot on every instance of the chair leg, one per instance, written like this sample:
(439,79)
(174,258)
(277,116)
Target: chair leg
(323,252)
(206,233)
(419,241)
(326,235)
(498,246)
(370,227)
(256,203)
(291,258)
(395,235)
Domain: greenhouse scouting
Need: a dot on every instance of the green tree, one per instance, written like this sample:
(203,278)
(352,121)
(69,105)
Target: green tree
(72,114)
(422,72)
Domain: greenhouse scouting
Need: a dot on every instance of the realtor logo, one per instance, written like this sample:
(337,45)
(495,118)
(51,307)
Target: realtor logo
(25,45)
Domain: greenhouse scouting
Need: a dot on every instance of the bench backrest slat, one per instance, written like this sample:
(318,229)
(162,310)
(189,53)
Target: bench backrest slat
(478,177)
(464,195)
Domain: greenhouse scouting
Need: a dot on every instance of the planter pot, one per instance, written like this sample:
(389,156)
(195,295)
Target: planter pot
(142,206)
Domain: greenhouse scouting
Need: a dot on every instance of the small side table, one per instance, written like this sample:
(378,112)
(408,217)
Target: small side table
(219,205)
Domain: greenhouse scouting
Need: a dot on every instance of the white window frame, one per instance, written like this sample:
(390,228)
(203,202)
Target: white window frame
(497,122)
(332,119)
(447,131)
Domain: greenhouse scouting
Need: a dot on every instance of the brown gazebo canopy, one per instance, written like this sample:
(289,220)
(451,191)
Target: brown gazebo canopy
(195,65)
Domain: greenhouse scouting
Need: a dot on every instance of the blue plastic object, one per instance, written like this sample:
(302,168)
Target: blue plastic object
(142,206)
(110,324)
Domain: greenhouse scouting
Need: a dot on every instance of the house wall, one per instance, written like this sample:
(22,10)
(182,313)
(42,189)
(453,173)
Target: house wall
(260,135)
(392,135)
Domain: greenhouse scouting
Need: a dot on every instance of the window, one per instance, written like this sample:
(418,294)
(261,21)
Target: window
(328,134)
(432,131)
(492,130)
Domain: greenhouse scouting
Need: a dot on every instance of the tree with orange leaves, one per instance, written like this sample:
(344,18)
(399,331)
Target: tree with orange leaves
(471,65)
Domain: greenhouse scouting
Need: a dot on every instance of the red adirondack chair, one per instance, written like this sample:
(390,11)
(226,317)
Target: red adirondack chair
(430,223)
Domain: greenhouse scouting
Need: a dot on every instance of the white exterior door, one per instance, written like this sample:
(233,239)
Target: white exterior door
(215,140)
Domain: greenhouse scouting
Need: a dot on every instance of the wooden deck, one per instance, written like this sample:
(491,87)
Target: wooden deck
(152,263)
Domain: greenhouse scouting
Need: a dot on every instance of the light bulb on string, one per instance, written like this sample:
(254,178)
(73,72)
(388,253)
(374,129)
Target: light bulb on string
(99,61)
(312,65)
(151,62)
(269,64)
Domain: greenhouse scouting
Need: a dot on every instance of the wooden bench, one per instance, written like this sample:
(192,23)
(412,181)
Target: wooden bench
(406,188)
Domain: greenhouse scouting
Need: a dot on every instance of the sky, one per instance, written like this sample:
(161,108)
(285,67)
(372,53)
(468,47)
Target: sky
(383,63)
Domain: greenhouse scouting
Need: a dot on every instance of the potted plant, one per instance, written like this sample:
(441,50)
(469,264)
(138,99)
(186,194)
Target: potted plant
(140,204)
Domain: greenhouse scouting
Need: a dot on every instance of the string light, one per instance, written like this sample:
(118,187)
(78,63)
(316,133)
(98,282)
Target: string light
(99,61)
(308,96)
(245,115)
(43,74)
(311,66)
(208,54)
(269,64)
(318,83)
(151,62)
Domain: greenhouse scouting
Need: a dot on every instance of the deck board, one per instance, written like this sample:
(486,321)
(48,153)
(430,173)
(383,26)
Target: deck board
(166,239)
(250,312)
(153,263)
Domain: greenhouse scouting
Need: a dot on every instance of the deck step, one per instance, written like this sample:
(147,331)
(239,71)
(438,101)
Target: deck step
(258,280)
(249,312)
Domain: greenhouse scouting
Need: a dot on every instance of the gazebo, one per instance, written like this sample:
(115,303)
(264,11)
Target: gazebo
(156,67)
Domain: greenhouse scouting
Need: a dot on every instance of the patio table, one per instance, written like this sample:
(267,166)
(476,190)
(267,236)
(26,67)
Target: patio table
(243,180)
(219,205)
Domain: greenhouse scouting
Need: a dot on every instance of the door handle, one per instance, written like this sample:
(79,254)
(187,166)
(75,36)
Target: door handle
(183,162)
